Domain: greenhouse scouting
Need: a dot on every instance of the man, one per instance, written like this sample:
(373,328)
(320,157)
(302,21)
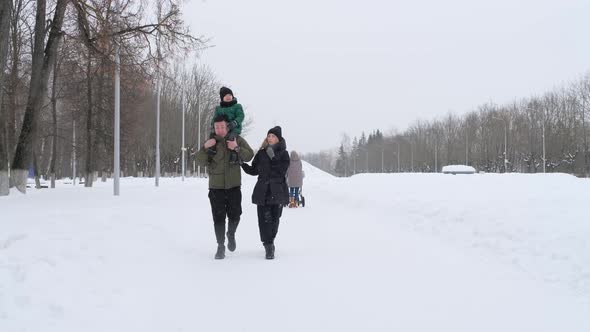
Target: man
(225,179)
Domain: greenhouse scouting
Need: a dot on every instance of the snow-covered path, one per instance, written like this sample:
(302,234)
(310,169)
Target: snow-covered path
(363,255)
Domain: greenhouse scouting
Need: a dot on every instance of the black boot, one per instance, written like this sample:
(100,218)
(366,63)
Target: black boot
(220,254)
(231,241)
(232,226)
(270,251)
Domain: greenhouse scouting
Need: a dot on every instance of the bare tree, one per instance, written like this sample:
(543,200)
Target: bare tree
(99,25)
(43,56)
(54,95)
(5,17)
(528,135)
(81,84)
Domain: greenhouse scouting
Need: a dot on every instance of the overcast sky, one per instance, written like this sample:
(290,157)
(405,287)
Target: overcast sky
(321,68)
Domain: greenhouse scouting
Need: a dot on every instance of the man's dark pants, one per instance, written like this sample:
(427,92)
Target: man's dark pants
(225,203)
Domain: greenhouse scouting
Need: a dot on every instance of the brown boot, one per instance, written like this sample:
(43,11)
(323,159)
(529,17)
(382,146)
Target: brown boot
(292,202)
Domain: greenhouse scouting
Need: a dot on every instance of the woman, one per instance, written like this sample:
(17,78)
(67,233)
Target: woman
(270,192)
(294,179)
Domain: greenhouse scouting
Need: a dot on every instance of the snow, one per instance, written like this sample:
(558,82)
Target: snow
(374,252)
(458,169)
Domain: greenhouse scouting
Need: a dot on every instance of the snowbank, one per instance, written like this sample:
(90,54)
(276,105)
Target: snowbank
(458,169)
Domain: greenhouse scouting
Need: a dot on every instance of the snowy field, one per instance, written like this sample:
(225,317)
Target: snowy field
(376,252)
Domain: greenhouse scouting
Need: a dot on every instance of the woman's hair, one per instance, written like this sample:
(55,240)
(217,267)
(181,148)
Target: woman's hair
(264,144)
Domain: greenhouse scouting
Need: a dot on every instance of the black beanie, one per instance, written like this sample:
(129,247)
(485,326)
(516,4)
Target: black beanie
(277,131)
(225,91)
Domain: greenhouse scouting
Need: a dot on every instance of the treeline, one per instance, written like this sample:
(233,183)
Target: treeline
(493,138)
(57,61)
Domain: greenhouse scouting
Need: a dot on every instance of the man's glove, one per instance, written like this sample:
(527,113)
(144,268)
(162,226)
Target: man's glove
(270,152)
(232,125)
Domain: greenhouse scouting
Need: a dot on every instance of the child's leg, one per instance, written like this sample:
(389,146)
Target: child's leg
(292,203)
(234,158)
(296,193)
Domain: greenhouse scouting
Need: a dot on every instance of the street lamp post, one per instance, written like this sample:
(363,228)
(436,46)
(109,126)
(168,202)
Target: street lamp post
(198,133)
(382,155)
(544,160)
(466,148)
(435,154)
(73,149)
(433,136)
(542,135)
(436,157)
(183,149)
(398,163)
(505,147)
(505,143)
(116,157)
(158,131)
(411,156)
(158,88)
(117,124)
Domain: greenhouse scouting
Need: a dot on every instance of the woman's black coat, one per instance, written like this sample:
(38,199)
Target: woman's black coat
(271,187)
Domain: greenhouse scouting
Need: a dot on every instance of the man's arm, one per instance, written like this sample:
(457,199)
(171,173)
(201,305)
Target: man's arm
(202,155)
(246,153)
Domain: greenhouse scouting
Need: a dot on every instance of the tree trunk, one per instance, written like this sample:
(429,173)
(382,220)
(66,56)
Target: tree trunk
(36,170)
(41,60)
(54,115)
(40,153)
(12,109)
(4,187)
(5,15)
(13,81)
(4,183)
(89,147)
